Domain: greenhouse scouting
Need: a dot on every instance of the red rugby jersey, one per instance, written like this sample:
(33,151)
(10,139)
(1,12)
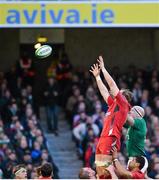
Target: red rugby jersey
(115,116)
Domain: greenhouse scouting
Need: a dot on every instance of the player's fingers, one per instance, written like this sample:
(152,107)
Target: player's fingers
(98,60)
(92,70)
(94,66)
(101,58)
(113,148)
(112,151)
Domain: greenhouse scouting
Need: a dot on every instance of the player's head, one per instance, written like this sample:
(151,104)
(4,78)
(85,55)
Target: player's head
(87,173)
(137,112)
(138,162)
(46,170)
(127,93)
(20,172)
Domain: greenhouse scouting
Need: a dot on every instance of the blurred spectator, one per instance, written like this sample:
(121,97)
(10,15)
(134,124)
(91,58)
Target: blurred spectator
(25,69)
(51,95)
(63,69)
(11,77)
(137,93)
(82,132)
(90,97)
(98,116)
(63,75)
(71,102)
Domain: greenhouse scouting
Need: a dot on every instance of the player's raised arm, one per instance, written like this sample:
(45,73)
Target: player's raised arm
(95,70)
(112,85)
(119,169)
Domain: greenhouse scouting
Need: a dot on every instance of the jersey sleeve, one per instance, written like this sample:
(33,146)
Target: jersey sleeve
(110,101)
(137,175)
(121,100)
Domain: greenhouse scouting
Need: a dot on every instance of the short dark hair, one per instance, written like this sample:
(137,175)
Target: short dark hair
(128,94)
(83,174)
(141,161)
(46,170)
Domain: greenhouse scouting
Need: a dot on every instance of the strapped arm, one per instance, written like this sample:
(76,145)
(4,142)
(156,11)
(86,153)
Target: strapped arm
(112,85)
(121,171)
(102,88)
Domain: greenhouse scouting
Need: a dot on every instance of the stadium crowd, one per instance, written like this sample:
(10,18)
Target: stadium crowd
(21,137)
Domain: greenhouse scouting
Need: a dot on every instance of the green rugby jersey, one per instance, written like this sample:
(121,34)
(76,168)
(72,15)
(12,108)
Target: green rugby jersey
(135,138)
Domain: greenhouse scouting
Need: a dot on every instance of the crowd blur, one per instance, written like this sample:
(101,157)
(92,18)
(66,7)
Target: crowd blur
(86,109)
(21,137)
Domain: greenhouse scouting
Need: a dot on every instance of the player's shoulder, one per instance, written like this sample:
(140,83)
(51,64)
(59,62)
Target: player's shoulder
(137,175)
(142,120)
(139,122)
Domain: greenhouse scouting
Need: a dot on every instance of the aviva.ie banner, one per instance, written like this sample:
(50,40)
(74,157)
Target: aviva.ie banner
(80,14)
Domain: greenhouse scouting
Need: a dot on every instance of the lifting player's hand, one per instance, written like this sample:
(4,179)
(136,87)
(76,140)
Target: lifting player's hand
(114,152)
(101,62)
(95,70)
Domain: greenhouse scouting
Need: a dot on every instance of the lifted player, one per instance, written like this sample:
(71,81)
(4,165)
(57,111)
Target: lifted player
(118,103)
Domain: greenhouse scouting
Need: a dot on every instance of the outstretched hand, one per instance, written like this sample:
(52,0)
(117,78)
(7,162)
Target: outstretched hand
(95,70)
(101,62)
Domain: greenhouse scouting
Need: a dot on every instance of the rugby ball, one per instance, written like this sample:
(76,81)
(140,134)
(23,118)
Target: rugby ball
(43,51)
